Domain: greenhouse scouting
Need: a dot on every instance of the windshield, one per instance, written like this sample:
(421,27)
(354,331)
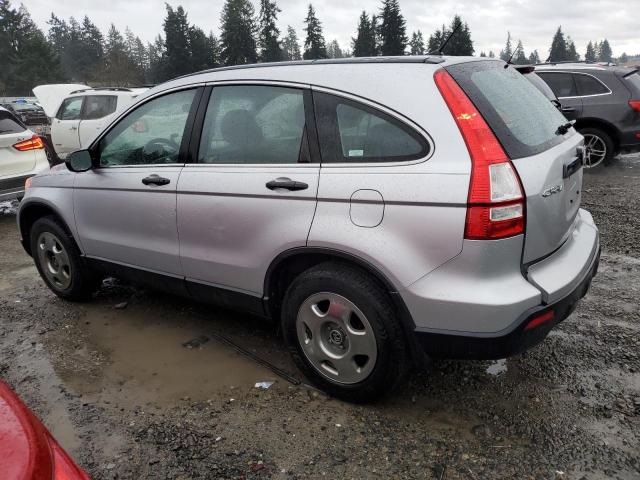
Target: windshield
(523,119)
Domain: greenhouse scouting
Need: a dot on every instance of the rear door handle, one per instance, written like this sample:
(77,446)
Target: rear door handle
(287,184)
(155,180)
(568,109)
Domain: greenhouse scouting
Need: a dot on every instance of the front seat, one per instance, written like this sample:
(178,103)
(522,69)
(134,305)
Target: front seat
(243,137)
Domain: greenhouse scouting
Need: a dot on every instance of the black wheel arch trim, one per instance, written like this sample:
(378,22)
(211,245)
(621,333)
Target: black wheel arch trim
(28,206)
(417,353)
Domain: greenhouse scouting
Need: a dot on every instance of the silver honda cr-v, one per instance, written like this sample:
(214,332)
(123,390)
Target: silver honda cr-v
(383,210)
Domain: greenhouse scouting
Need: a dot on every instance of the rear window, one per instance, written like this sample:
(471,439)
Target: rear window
(634,80)
(98,106)
(9,124)
(522,118)
(588,85)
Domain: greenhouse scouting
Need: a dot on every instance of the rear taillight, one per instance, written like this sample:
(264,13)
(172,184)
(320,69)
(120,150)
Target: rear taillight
(34,143)
(540,320)
(635,104)
(63,466)
(495,205)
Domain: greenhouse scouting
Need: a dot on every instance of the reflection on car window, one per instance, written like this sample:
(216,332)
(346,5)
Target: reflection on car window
(253,124)
(364,135)
(561,83)
(588,85)
(98,106)
(151,134)
(70,109)
(8,124)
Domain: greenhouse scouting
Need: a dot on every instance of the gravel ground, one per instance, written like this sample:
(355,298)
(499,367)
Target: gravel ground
(115,384)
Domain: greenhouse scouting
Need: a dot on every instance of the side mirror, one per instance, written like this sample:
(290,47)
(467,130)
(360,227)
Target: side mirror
(79,161)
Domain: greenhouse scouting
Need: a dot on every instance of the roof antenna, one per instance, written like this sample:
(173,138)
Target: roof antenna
(512,55)
(446,41)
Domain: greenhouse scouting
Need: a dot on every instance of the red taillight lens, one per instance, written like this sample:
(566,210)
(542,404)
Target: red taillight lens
(540,320)
(495,203)
(635,104)
(34,143)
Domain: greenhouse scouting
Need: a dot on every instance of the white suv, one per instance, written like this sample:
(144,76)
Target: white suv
(379,208)
(22,155)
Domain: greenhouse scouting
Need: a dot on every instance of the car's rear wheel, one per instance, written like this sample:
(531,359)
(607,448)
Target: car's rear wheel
(599,147)
(340,327)
(58,261)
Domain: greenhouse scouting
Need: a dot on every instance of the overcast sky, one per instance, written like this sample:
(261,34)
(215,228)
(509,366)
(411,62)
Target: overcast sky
(533,21)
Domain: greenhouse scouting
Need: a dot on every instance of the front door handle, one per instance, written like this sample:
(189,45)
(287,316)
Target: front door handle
(568,109)
(287,184)
(155,180)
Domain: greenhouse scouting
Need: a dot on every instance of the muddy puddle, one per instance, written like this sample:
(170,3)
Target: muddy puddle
(154,357)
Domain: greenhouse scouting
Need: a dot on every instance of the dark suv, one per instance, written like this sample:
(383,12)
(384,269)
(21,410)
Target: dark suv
(603,100)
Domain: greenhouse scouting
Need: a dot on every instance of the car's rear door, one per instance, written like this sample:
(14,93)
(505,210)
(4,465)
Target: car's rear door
(251,192)
(64,127)
(546,157)
(95,112)
(125,207)
(564,86)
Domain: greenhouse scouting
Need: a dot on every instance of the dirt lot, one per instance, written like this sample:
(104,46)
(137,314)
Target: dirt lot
(114,383)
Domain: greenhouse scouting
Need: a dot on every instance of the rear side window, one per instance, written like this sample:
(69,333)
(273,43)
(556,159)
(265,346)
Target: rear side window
(253,124)
(588,85)
(98,106)
(523,119)
(352,132)
(8,124)
(70,109)
(562,84)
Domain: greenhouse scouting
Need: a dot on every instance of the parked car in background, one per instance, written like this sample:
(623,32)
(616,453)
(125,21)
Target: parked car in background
(79,113)
(29,452)
(32,115)
(603,100)
(376,223)
(22,155)
(529,73)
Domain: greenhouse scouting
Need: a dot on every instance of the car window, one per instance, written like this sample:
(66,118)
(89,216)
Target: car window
(561,83)
(253,124)
(587,85)
(541,85)
(98,106)
(8,124)
(523,119)
(633,79)
(353,132)
(70,109)
(151,134)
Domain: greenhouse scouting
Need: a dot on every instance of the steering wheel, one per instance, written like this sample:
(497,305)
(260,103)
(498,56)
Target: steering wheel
(160,147)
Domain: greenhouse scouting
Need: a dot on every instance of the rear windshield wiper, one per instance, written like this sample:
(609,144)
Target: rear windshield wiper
(564,128)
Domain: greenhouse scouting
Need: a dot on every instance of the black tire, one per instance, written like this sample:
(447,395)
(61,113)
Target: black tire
(83,281)
(392,361)
(606,139)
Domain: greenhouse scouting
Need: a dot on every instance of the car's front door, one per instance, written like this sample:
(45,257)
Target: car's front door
(125,207)
(252,193)
(564,86)
(64,128)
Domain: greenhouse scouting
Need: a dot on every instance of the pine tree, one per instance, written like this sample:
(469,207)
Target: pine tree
(392,29)
(156,58)
(201,55)
(290,45)
(506,53)
(90,51)
(482,54)
(119,70)
(364,45)
(572,53)
(604,52)
(334,50)
(436,39)
(623,58)
(237,37)
(178,53)
(491,54)
(520,58)
(534,57)
(417,43)
(558,51)
(314,44)
(460,43)
(270,49)
(590,56)
(214,50)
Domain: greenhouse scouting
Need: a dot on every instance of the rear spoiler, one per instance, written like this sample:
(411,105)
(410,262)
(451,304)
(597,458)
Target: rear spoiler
(523,69)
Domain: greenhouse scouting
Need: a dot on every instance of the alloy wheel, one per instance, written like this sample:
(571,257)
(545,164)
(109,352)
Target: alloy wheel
(595,150)
(54,260)
(336,338)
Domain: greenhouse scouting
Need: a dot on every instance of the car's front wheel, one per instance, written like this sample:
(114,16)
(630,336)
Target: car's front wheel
(58,260)
(343,333)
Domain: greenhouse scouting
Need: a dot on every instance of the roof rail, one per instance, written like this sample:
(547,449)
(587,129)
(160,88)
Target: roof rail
(113,89)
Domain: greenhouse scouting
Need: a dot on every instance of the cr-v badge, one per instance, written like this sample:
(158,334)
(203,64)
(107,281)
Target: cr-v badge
(550,191)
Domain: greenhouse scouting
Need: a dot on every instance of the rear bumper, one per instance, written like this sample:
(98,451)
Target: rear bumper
(517,339)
